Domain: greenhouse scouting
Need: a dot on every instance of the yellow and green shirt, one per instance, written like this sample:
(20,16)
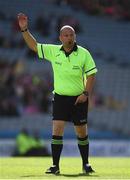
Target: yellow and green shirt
(69,70)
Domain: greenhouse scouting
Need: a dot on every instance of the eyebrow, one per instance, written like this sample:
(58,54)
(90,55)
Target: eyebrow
(71,33)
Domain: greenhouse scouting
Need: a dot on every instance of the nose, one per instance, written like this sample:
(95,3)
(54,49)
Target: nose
(70,38)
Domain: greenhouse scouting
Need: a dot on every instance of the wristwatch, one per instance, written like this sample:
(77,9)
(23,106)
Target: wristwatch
(86,93)
(24,30)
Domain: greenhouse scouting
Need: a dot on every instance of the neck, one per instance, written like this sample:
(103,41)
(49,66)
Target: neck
(68,49)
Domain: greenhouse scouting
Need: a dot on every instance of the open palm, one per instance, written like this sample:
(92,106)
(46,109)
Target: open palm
(22,20)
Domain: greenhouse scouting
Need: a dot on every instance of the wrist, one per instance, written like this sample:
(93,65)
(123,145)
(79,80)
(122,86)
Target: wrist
(86,93)
(24,29)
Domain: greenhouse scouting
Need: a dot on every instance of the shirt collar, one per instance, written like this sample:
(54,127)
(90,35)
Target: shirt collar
(68,53)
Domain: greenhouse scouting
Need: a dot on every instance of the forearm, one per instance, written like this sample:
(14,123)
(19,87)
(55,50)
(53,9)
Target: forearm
(30,40)
(87,91)
(90,83)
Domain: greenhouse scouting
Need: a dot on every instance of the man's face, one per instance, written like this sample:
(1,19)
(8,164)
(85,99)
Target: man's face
(67,37)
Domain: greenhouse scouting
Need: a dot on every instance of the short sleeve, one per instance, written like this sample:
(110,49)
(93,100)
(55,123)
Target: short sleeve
(90,66)
(45,51)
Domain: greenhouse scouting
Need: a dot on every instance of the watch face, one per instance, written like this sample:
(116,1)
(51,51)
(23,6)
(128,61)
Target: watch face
(85,93)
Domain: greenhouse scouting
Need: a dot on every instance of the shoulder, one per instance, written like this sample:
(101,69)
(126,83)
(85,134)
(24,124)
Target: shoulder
(49,46)
(53,46)
(83,50)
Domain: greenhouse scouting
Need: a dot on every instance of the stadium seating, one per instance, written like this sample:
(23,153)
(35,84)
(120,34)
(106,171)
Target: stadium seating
(100,34)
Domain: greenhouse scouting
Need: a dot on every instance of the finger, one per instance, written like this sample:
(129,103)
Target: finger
(77,101)
(22,16)
(19,15)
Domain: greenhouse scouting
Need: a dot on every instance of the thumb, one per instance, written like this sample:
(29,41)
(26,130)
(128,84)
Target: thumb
(76,102)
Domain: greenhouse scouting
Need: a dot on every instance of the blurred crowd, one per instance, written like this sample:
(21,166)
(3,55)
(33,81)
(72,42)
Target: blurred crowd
(29,144)
(41,25)
(23,93)
(118,9)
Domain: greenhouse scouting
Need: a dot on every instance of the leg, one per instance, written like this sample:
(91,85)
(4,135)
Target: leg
(60,115)
(58,127)
(81,130)
(56,145)
(83,144)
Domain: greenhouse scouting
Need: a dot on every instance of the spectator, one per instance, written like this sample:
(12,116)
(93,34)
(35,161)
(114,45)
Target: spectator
(42,25)
(27,145)
(68,19)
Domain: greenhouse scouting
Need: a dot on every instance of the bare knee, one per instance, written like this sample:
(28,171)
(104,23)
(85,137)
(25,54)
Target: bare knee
(81,131)
(58,128)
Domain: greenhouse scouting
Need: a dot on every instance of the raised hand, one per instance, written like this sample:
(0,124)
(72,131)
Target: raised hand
(23,21)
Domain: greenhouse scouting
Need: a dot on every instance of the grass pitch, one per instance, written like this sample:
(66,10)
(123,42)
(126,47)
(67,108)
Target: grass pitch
(70,167)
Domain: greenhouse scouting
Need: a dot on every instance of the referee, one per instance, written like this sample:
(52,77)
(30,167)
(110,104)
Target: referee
(74,75)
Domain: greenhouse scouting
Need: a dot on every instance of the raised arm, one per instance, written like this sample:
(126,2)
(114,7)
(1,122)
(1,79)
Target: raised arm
(29,39)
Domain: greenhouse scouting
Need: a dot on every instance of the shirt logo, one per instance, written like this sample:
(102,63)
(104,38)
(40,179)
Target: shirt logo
(75,67)
(83,120)
(58,63)
(57,55)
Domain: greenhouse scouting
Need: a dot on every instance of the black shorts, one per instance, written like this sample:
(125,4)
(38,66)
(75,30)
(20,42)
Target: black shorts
(64,108)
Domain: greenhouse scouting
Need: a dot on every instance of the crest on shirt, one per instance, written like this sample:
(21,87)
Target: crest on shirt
(75,67)
(58,63)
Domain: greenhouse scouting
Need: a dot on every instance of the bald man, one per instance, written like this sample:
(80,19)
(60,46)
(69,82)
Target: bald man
(74,76)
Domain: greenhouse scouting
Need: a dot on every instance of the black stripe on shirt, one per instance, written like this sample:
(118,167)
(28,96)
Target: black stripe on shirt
(42,51)
(90,70)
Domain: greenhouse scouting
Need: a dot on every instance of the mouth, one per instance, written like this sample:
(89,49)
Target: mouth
(70,42)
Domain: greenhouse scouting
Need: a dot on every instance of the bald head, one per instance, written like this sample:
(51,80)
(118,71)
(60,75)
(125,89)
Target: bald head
(67,37)
(67,27)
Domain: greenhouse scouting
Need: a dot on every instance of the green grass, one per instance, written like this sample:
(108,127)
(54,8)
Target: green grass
(34,168)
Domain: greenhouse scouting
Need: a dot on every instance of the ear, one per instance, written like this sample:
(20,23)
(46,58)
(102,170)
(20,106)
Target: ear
(75,37)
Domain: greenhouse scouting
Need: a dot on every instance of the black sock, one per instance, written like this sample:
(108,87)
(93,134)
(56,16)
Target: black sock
(56,146)
(83,144)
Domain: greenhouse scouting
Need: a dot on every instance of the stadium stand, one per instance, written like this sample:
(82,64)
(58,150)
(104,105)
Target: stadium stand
(107,38)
